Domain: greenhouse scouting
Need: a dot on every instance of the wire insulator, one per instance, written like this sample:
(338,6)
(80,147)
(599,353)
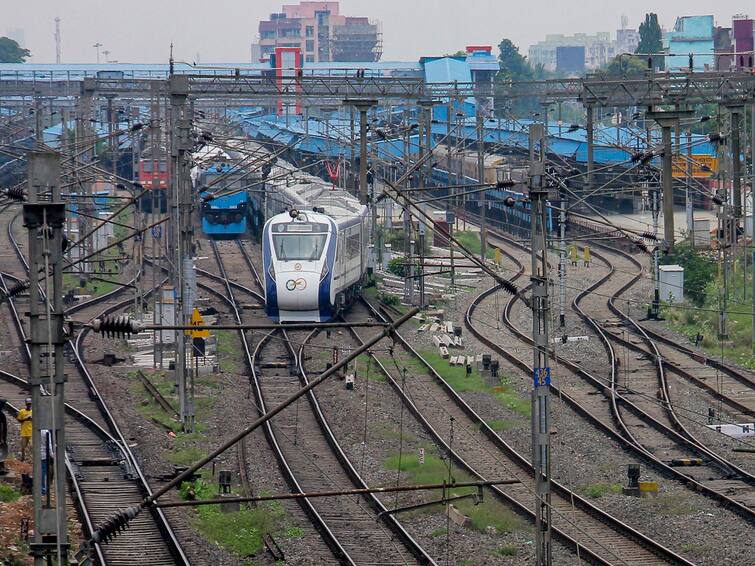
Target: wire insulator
(649,236)
(115,524)
(508,286)
(14,290)
(116,326)
(16,193)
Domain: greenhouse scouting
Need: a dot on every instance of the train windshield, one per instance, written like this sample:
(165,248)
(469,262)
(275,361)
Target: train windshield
(299,247)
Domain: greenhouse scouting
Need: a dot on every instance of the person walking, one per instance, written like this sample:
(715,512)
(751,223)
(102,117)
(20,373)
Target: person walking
(24,417)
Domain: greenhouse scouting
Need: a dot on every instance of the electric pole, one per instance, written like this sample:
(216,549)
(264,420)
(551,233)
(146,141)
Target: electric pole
(182,206)
(44,218)
(541,371)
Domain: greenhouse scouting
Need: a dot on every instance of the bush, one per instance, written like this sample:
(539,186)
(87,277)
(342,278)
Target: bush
(699,271)
(397,267)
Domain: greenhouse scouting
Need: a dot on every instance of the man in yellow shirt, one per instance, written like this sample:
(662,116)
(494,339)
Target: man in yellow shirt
(24,417)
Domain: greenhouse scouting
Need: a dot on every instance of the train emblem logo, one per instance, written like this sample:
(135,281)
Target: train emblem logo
(296,284)
(297,267)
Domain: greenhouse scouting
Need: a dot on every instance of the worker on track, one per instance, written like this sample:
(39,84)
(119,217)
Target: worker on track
(24,417)
(573,254)
(587,256)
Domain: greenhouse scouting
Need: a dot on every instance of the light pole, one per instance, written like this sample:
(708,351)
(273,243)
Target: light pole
(97,47)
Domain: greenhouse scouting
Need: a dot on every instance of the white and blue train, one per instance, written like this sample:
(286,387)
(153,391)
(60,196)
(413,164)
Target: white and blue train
(315,251)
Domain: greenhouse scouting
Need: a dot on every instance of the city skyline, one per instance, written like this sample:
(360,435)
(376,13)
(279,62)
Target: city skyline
(435,28)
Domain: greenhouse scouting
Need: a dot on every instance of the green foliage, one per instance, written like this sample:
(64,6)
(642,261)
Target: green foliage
(513,66)
(397,267)
(12,52)
(240,532)
(699,270)
(387,298)
(625,66)
(705,320)
(8,494)
(507,550)
(434,471)
(651,40)
(598,490)
(471,240)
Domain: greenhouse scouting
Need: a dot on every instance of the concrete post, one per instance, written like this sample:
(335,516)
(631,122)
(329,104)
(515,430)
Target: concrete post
(181,200)
(736,163)
(44,219)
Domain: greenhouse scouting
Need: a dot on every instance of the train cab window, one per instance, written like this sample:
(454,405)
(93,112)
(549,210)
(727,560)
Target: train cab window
(299,242)
(299,247)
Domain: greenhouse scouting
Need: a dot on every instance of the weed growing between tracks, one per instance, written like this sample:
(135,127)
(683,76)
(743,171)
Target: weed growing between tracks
(228,352)
(486,516)
(241,531)
(457,378)
(598,490)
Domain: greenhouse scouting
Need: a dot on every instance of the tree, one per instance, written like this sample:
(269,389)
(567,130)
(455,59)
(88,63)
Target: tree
(513,65)
(12,52)
(651,39)
(459,53)
(625,66)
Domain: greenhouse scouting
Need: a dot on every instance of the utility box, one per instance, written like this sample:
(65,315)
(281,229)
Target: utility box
(702,233)
(672,283)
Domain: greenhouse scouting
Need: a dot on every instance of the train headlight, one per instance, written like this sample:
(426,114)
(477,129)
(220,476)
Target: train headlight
(324,272)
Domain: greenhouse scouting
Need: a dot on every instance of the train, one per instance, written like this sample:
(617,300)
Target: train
(153,176)
(219,180)
(515,219)
(314,250)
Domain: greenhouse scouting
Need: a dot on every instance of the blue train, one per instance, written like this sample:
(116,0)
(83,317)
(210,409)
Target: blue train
(514,219)
(227,211)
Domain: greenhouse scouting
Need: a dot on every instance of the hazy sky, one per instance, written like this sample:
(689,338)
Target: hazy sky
(221,30)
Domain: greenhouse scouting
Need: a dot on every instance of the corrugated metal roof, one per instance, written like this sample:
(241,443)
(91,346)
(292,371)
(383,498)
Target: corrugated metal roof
(447,70)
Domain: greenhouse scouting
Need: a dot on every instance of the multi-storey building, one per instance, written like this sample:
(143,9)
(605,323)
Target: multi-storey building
(691,35)
(599,49)
(321,32)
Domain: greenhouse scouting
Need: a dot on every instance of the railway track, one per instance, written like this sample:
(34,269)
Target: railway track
(656,440)
(310,457)
(592,534)
(104,473)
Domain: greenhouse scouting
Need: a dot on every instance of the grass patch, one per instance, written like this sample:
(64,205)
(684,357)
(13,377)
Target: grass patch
(499,425)
(490,513)
(506,550)
(598,490)
(457,378)
(8,494)
(471,240)
(185,456)
(240,532)
(294,532)
(227,351)
(441,532)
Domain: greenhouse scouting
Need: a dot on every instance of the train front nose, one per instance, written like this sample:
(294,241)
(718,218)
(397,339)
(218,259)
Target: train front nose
(298,290)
